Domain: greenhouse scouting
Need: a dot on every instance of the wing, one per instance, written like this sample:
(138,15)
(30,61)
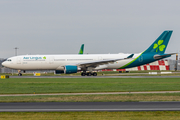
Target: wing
(101,62)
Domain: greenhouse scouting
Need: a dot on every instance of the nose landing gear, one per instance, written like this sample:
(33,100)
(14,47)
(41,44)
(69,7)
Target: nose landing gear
(19,73)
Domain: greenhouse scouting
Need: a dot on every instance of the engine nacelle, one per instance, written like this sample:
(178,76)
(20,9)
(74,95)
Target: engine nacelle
(68,69)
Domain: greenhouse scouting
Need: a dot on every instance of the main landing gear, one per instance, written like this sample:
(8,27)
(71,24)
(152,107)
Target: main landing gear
(88,74)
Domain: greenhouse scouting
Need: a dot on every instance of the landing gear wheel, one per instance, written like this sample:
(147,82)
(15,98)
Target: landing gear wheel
(83,74)
(19,74)
(94,74)
(89,74)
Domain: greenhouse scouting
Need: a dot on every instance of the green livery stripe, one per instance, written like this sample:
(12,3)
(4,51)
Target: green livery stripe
(131,61)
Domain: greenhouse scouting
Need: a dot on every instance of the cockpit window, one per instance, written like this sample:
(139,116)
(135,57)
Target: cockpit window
(8,60)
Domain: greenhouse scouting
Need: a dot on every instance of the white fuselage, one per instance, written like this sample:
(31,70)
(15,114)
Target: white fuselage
(57,62)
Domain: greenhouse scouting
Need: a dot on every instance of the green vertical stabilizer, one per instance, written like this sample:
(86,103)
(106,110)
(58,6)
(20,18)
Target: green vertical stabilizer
(81,49)
(160,44)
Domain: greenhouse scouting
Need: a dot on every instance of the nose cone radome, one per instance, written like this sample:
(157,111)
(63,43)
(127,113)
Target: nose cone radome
(4,64)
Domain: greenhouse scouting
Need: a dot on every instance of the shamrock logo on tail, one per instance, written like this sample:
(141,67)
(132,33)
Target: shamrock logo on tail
(159,46)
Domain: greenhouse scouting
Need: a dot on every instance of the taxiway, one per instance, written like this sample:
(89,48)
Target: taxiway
(89,106)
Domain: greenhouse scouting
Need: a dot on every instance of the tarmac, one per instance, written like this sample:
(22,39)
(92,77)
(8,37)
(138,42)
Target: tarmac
(89,106)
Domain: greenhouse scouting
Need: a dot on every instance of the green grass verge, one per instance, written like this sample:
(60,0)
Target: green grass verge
(155,115)
(94,98)
(83,85)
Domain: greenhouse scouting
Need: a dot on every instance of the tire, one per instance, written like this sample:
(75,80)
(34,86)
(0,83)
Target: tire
(83,74)
(94,74)
(89,74)
(19,74)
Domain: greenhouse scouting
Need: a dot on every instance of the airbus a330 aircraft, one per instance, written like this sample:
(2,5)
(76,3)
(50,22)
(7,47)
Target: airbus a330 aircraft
(91,62)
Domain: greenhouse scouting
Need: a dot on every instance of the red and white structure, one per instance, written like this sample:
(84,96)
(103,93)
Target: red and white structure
(157,65)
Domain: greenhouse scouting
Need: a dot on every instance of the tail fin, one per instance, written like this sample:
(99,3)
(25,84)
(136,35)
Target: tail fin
(81,49)
(160,44)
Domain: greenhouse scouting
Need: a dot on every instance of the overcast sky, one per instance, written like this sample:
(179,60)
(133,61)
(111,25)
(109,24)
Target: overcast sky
(104,26)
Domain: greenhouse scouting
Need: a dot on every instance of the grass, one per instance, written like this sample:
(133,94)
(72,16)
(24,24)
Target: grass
(85,85)
(94,98)
(151,115)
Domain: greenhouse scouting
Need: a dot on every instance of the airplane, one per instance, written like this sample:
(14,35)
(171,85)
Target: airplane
(87,63)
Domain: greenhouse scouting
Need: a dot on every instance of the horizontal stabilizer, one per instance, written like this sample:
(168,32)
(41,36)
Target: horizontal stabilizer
(130,56)
(163,56)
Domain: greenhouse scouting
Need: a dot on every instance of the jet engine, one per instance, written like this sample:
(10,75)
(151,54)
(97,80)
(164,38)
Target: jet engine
(68,69)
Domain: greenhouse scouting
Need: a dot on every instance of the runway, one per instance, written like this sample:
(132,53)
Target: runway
(89,106)
(94,76)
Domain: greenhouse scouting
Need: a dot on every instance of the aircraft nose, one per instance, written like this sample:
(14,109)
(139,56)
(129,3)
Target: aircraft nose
(4,64)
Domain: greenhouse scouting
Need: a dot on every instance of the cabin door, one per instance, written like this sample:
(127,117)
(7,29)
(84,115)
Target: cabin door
(18,60)
(51,60)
